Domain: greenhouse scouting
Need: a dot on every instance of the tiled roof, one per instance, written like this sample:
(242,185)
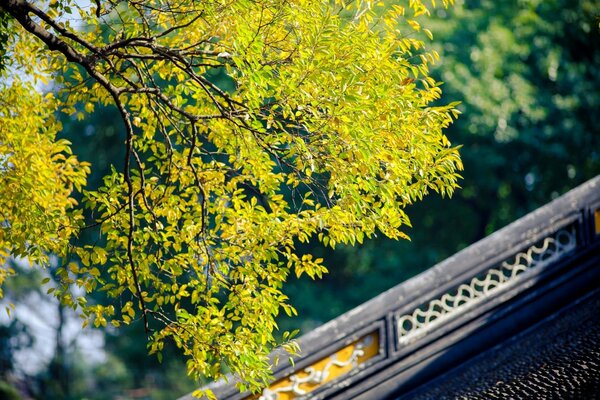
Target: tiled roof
(558,358)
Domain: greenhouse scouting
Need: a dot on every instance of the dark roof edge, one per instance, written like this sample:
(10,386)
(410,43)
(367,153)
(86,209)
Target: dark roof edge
(525,230)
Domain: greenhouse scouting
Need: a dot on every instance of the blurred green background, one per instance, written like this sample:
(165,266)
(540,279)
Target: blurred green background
(528,75)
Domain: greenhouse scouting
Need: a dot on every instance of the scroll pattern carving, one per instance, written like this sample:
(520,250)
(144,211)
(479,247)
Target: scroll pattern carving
(492,281)
(327,369)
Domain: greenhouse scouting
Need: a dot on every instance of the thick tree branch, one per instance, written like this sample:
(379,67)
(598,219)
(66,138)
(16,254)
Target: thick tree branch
(20,9)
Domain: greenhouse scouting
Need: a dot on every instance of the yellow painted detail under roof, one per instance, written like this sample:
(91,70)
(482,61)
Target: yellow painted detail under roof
(326,369)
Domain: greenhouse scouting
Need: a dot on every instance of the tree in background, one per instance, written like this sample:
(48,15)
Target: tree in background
(325,130)
(527,74)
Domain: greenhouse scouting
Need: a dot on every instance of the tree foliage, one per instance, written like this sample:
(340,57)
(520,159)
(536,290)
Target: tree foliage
(37,176)
(527,74)
(322,130)
(528,78)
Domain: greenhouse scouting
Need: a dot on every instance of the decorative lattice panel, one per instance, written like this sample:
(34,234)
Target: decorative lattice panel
(494,280)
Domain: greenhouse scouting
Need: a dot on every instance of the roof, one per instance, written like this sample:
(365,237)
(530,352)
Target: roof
(445,326)
(556,358)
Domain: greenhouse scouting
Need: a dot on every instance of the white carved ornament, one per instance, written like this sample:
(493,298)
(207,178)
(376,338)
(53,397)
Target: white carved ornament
(432,314)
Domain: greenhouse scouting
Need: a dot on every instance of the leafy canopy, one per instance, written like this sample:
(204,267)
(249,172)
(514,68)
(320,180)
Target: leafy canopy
(322,129)
(527,73)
